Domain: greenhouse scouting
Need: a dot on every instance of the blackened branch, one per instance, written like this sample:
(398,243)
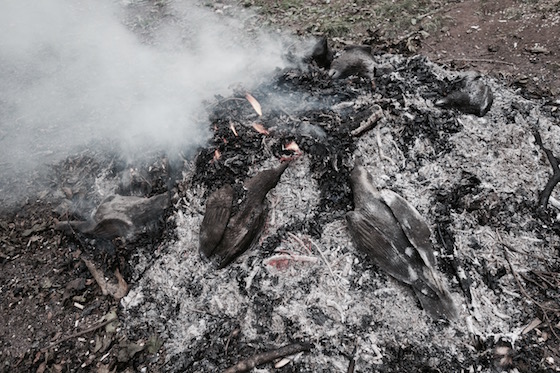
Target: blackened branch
(555,178)
(267,357)
(352,364)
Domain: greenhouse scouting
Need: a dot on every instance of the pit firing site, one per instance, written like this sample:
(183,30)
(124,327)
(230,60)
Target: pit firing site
(183,191)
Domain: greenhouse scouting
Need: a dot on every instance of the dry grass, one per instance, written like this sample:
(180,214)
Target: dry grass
(351,20)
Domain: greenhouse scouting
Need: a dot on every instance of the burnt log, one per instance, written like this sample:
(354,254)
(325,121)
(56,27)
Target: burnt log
(119,216)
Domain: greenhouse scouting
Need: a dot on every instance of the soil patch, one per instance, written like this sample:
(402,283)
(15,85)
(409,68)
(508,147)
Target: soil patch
(517,42)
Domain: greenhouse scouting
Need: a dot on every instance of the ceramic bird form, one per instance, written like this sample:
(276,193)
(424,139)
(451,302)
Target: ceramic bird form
(353,60)
(322,53)
(119,216)
(227,232)
(395,236)
(473,97)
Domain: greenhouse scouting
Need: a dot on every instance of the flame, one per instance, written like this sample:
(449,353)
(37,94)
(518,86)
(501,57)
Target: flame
(232,128)
(254,103)
(260,128)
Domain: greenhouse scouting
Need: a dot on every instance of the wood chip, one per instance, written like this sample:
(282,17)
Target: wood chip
(260,129)
(370,122)
(532,325)
(117,291)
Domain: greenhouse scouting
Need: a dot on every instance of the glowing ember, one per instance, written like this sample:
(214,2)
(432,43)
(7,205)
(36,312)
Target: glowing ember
(254,103)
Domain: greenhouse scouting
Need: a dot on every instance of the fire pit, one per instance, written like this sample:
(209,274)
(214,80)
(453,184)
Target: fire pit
(302,297)
(304,281)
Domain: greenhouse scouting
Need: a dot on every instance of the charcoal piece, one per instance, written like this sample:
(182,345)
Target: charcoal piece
(354,60)
(473,97)
(119,216)
(396,237)
(225,234)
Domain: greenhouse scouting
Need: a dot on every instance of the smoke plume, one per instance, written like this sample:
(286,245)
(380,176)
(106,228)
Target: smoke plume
(79,73)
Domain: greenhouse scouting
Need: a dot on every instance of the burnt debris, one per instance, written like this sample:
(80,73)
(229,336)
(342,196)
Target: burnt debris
(119,216)
(321,122)
(323,114)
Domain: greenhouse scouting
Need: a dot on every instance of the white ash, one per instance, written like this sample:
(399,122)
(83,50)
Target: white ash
(339,299)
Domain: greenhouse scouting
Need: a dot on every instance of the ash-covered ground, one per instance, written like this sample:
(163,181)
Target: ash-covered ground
(475,180)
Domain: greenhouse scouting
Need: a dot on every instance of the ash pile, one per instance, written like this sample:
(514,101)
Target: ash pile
(474,175)
(302,293)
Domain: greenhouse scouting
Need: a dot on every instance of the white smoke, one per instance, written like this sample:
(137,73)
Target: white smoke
(72,74)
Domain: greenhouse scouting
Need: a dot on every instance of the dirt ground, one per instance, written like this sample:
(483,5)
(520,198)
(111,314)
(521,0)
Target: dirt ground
(53,310)
(515,41)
